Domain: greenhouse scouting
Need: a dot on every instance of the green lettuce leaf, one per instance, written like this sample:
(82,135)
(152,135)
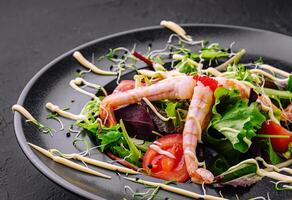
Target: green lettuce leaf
(110,138)
(117,140)
(90,110)
(235,119)
(273,156)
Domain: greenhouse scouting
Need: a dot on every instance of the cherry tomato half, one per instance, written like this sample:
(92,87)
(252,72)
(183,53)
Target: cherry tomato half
(164,167)
(279,144)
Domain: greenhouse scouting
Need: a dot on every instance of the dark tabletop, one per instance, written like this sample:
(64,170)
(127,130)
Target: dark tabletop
(33,32)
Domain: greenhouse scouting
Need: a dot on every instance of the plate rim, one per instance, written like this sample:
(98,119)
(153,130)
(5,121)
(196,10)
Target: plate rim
(18,130)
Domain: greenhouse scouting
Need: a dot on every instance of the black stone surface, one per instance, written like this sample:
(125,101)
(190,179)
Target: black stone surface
(33,32)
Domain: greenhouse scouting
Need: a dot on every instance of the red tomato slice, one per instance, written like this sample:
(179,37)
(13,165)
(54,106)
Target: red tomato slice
(164,167)
(125,85)
(279,144)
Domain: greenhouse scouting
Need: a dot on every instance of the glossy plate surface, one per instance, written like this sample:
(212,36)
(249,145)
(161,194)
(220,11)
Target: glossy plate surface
(52,84)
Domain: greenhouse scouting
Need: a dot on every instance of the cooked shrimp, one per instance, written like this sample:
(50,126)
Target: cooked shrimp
(287,114)
(233,83)
(180,87)
(197,119)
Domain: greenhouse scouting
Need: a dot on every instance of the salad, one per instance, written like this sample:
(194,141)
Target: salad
(196,112)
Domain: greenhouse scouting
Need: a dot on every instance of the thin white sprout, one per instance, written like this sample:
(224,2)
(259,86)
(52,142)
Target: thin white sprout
(287,187)
(126,187)
(268,195)
(61,123)
(203,188)
(155,111)
(237,197)
(230,47)
(107,114)
(72,130)
(273,167)
(256,198)
(220,193)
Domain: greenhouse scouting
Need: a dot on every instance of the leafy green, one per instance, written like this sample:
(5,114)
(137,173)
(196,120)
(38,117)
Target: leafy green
(239,72)
(273,156)
(222,146)
(214,51)
(142,145)
(110,138)
(290,83)
(219,165)
(90,110)
(133,149)
(119,143)
(211,54)
(241,170)
(171,110)
(184,66)
(272,93)
(236,120)
(176,110)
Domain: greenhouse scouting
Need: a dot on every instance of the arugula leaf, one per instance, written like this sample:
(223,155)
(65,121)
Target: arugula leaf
(133,149)
(90,110)
(290,83)
(236,120)
(119,143)
(273,156)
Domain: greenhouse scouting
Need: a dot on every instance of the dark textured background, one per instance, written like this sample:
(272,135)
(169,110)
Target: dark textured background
(33,32)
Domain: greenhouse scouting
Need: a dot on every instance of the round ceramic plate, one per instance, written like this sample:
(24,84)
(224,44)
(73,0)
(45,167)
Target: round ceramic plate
(52,84)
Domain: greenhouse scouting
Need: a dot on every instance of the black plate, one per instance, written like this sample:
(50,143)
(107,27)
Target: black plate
(51,84)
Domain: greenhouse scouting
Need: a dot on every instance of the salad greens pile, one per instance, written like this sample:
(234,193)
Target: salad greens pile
(232,134)
(235,119)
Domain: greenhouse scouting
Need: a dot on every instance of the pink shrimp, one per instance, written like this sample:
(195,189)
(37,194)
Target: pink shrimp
(180,87)
(233,83)
(287,114)
(197,119)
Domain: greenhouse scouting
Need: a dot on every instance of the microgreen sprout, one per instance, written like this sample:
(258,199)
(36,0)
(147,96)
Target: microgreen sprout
(281,185)
(44,128)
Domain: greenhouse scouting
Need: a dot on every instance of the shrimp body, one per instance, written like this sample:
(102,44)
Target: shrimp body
(180,87)
(197,119)
(233,83)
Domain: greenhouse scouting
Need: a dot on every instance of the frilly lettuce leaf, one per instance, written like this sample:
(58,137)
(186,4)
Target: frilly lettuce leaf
(91,111)
(235,119)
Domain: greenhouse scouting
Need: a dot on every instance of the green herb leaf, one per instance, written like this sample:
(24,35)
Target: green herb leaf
(290,83)
(90,110)
(109,138)
(241,170)
(236,120)
(171,110)
(133,149)
(273,156)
